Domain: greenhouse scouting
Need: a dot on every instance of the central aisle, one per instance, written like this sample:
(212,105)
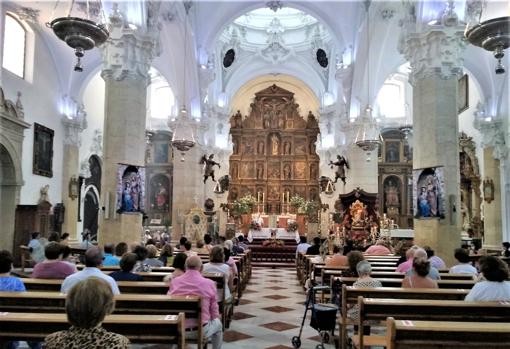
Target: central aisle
(270,313)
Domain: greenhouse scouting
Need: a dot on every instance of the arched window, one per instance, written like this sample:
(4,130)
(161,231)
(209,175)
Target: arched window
(160,98)
(391,100)
(14,46)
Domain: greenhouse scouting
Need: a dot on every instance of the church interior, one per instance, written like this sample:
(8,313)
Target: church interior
(350,121)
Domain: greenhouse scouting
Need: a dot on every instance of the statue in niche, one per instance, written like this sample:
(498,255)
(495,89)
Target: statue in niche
(235,146)
(286,171)
(274,145)
(209,166)
(341,164)
(312,148)
(248,148)
(313,171)
(286,148)
(391,194)
(260,171)
(260,148)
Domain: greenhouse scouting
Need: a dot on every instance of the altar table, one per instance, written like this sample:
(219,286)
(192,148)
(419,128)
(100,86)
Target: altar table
(265,233)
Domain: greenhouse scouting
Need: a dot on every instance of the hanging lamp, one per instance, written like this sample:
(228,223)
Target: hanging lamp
(81,34)
(367,136)
(183,138)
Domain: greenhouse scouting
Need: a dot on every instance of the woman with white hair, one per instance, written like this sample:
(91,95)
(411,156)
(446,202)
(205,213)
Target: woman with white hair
(364,270)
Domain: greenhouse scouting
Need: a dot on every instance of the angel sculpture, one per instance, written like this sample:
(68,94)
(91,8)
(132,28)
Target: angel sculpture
(341,164)
(208,166)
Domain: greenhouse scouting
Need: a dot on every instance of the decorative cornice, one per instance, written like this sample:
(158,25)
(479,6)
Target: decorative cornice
(127,53)
(72,131)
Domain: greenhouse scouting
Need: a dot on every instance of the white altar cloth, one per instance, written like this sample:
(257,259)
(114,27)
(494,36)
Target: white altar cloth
(265,233)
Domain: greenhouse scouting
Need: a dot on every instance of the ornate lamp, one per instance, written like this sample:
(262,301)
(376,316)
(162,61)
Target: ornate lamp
(492,35)
(368,136)
(183,138)
(79,33)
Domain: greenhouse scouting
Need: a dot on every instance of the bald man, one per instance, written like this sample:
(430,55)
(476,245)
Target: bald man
(93,261)
(192,283)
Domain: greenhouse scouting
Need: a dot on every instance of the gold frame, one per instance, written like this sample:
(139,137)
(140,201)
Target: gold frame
(74,188)
(488,190)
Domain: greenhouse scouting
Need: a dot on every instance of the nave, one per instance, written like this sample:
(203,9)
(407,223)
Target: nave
(270,313)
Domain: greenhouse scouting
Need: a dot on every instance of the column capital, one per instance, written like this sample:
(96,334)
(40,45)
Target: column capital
(493,135)
(74,120)
(436,52)
(127,53)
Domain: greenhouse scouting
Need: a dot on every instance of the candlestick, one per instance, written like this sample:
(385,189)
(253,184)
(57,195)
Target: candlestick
(263,197)
(283,198)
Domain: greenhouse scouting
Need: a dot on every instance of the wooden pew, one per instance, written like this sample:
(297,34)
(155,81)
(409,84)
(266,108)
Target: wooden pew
(164,329)
(407,334)
(350,295)
(452,284)
(132,304)
(419,309)
(327,273)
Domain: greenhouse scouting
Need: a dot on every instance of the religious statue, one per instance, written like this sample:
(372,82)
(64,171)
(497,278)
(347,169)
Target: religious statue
(286,171)
(260,170)
(209,166)
(274,145)
(341,164)
(391,194)
(286,148)
(260,148)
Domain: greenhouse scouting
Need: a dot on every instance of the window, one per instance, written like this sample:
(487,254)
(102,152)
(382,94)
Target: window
(391,100)
(14,46)
(162,101)
(160,98)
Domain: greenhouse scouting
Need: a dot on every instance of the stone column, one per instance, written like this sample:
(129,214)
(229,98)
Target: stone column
(70,170)
(494,159)
(436,62)
(126,61)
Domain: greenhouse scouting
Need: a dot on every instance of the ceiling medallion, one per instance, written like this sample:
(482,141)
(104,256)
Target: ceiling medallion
(80,34)
(491,35)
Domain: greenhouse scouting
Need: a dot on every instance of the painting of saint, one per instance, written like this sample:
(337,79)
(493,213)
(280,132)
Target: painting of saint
(392,151)
(159,192)
(428,184)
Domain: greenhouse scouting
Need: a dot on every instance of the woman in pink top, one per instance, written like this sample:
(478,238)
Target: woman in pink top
(338,259)
(419,278)
(378,249)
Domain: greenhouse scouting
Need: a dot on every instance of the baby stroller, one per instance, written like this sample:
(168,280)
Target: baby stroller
(323,318)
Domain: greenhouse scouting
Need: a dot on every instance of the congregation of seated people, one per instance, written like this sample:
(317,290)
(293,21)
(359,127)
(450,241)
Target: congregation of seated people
(80,286)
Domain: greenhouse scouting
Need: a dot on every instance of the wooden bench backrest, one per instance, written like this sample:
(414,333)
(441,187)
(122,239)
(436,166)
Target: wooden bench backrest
(451,284)
(164,329)
(430,310)
(408,334)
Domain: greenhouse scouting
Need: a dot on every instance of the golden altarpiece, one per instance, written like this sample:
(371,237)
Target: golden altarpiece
(274,153)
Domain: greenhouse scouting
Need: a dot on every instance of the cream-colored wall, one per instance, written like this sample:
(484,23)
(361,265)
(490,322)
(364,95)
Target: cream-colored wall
(303,95)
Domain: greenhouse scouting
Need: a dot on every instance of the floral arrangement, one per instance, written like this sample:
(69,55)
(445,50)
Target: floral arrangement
(244,205)
(309,207)
(255,225)
(273,243)
(296,201)
(292,225)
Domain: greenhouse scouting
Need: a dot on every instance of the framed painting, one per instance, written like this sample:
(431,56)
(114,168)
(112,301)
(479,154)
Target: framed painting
(463,94)
(43,151)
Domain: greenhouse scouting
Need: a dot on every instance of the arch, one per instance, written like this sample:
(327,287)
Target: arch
(9,196)
(15,158)
(303,94)
(225,21)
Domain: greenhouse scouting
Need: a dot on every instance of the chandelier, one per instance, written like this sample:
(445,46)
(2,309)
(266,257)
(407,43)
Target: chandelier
(368,135)
(183,138)
(492,35)
(81,34)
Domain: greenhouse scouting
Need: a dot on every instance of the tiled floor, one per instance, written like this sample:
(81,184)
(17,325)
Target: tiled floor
(270,313)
